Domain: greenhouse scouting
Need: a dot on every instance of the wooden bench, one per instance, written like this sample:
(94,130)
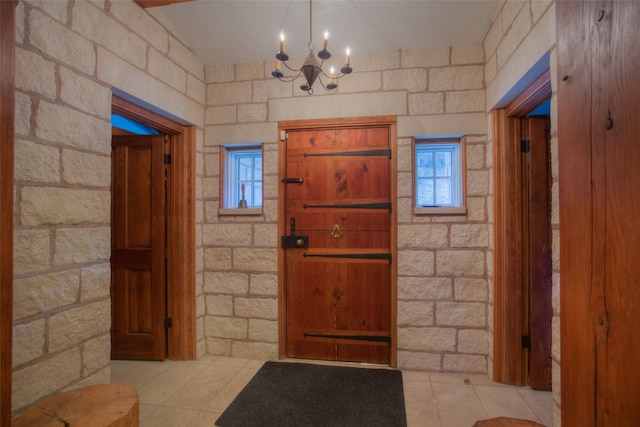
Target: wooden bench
(102,405)
(506,422)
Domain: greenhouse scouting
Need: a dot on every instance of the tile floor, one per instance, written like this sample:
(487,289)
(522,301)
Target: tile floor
(195,393)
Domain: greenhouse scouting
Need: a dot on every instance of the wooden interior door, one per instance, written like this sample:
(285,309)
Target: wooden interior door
(138,288)
(338,264)
(538,249)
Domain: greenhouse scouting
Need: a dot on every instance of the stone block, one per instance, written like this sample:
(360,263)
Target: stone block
(218,259)
(36,162)
(263,330)
(240,133)
(82,245)
(53,206)
(412,80)
(477,183)
(464,363)
(218,347)
(424,288)
(257,260)
(220,115)
(167,71)
(182,55)
(456,78)
(250,71)
(476,210)
(263,284)
(375,61)
(225,327)
(415,313)
(57,123)
(415,263)
(34,382)
(35,74)
(96,354)
(227,235)
(31,251)
(419,361)
(465,101)
(95,25)
(44,293)
(196,89)
(229,93)
(264,90)
(23,115)
(149,28)
(71,327)
(86,169)
(423,236)
(219,305)
(426,103)
(470,54)
(473,341)
(86,95)
(28,341)
(252,112)
(95,282)
(57,41)
(460,263)
(219,73)
(226,283)
(514,35)
(255,350)
(426,339)
(265,235)
(262,308)
(361,82)
(476,156)
(425,58)
(469,236)
(471,314)
(470,289)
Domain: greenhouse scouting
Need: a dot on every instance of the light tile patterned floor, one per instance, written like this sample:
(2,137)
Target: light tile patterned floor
(195,393)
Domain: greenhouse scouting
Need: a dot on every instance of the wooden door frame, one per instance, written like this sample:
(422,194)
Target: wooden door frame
(180,208)
(509,273)
(294,125)
(7,146)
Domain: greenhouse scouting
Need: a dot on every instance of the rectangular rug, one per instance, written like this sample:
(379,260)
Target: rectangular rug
(298,394)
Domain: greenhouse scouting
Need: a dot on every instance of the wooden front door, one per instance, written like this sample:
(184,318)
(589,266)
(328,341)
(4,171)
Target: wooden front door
(338,246)
(537,247)
(138,288)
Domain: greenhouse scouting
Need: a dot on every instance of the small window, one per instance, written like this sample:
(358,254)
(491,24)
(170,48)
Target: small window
(439,175)
(242,177)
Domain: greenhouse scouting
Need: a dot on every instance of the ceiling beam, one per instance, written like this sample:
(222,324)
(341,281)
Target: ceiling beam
(153,3)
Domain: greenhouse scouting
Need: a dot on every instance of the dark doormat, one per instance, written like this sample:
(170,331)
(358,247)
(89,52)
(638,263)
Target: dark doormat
(298,394)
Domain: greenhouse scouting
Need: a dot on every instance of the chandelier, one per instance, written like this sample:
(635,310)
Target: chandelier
(312,68)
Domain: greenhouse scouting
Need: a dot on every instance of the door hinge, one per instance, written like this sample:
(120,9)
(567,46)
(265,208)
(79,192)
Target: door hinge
(526,341)
(167,159)
(168,322)
(525,145)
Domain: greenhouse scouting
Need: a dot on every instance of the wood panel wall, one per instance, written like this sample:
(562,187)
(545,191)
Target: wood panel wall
(599,182)
(7,115)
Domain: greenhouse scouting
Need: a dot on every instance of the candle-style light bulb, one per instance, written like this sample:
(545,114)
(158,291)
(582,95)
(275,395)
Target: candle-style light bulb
(346,59)
(281,42)
(277,65)
(325,43)
(333,76)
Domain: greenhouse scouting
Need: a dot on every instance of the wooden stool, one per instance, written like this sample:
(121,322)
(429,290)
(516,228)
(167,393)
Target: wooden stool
(102,405)
(506,422)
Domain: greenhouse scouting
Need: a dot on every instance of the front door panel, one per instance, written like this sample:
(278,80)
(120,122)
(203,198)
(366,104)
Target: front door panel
(338,288)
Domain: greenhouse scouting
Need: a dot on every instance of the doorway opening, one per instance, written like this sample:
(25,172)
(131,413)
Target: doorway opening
(171,214)
(522,245)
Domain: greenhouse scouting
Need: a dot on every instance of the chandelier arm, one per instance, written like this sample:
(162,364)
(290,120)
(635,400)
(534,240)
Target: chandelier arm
(291,69)
(288,79)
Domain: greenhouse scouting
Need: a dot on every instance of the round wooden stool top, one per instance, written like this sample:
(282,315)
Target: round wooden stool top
(506,422)
(102,405)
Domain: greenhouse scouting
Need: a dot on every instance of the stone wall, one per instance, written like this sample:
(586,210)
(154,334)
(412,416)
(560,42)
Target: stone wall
(70,55)
(442,260)
(521,43)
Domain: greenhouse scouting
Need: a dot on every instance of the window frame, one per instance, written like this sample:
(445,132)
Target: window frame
(459,140)
(226,194)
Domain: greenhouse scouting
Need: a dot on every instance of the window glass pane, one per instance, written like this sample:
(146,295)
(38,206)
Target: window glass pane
(443,191)
(443,163)
(424,160)
(243,166)
(425,193)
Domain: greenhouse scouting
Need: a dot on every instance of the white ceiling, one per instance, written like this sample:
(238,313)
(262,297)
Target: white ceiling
(238,31)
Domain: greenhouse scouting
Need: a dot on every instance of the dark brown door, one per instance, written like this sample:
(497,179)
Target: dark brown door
(537,171)
(338,288)
(138,289)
